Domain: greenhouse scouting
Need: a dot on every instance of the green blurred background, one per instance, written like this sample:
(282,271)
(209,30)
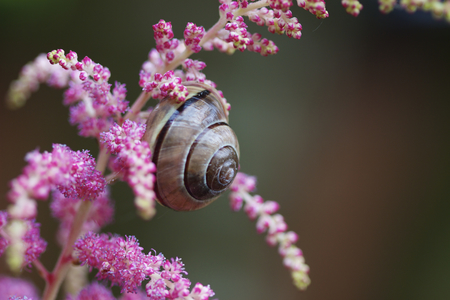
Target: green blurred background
(346,128)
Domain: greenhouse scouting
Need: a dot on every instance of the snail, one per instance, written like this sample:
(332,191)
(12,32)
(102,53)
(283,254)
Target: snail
(195,151)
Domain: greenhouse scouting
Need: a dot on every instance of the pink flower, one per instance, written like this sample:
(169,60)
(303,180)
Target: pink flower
(73,173)
(352,7)
(123,263)
(23,237)
(192,36)
(237,34)
(161,86)
(316,7)
(95,107)
(134,163)
(165,43)
(282,5)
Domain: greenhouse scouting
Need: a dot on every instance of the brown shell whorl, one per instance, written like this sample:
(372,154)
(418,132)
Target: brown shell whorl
(195,151)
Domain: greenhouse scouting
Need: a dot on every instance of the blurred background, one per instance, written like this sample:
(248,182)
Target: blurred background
(347,128)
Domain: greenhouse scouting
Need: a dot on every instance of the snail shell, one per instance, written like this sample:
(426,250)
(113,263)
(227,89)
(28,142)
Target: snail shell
(195,152)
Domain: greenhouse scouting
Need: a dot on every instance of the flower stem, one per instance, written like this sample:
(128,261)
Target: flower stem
(62,266)
(137,106)
(41,269)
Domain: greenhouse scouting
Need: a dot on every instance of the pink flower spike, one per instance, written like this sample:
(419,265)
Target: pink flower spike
(71,172)
(316,7)
(276,227)
(165,44)
(134,159)
(227,8)
(32,75)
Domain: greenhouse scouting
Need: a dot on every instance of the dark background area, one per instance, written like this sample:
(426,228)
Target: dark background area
(346,128)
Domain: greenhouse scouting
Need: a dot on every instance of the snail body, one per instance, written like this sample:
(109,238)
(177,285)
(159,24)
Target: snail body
(195,151)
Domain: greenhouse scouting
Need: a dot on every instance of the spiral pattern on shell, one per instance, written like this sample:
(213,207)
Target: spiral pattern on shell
(195,151)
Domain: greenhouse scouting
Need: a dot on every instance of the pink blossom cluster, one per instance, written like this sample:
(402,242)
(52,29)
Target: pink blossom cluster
(162,86)
(94,107)
(352,7)
(165,43)
(71,172)
(65,208)
(277,21)
(21,239)
(192,37)
(256,208)
(133,163)
(153,78)
(122,262)
(316,7)
(87,67)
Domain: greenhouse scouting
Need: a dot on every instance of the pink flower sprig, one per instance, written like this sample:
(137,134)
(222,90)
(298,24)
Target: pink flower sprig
(71,172)
(161,86)
(65,209)
(121,261)
(264,46)
(87,66)
(192,36)
(352,7)
(31,76)
(94,108)
(256,208)
(193,68)
(133,163)
(23,242)
(237,33)
(316,7)
(165,43)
